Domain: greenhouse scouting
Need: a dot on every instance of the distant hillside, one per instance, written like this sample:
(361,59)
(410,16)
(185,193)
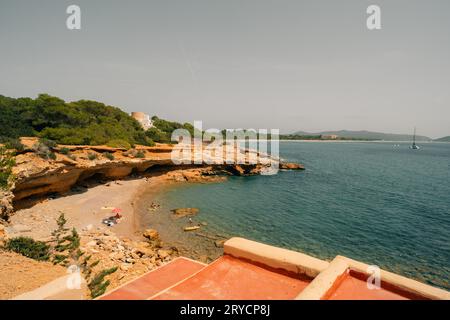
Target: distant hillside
(366,135)
(443,139)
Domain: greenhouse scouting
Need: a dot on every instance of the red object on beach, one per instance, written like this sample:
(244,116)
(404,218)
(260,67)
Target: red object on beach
(116,210)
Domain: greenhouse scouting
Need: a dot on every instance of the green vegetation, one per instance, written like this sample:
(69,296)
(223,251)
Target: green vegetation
(44,149)
(7,162)
(30,248)
(157,135)
(139,154)
(81,122)
(12,144)
(162,130)
(48,143)
(65,151)
(119,143)
(98,285)
(108,156)
(134,153)
(66,249)
(67,252)
(92,156)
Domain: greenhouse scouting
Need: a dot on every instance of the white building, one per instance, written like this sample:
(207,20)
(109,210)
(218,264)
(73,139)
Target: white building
(143,119)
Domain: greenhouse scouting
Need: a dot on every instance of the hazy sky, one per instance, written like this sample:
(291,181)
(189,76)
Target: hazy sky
(293,65)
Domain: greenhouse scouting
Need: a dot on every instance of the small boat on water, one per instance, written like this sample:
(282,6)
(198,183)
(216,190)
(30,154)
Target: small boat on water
(414,146)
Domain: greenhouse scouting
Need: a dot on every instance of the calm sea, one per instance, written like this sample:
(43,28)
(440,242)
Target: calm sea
(376,202)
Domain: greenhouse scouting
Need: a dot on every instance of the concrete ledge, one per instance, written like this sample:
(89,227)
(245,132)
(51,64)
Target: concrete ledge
(410,286)
(274,257)
(56,290)
(325,281)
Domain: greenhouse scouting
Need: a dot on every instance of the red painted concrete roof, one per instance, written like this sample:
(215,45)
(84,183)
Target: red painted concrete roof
(355,288)
(229,278)
(155,281)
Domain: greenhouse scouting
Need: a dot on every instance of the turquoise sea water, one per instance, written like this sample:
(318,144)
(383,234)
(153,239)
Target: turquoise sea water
(374,202)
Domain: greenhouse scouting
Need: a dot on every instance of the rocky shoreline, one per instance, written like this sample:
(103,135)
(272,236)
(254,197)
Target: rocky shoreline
(182,228)
(85,185)
(72,166)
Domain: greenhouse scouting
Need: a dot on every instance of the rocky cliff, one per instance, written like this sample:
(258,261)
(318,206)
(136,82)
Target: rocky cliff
(72,165)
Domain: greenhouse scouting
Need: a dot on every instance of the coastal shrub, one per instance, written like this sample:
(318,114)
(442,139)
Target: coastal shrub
(12,143)
(157,135)
(94,264)
(61,229)
(66,251)
(60,259)
(86,267)
(7,162)
(70,242)
(15,121)
(81,122)
(162,130)
(109,156)
(97,285)
(150,142)
(72,157)
(4,180)
(92,156)
(119,143)
(30,248)
(139,154)
(67,243)
(44,151)
(48,143)
(65,151)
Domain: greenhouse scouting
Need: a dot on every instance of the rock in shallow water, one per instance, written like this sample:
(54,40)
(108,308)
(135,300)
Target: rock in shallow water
(183,212)
(291,166)
(151,234)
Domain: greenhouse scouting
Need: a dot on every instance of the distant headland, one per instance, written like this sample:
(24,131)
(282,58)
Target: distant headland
(362,135)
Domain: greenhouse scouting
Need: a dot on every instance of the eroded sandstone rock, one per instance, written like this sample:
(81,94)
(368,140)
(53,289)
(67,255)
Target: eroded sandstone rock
(291,166)
(6,208)
(151,234)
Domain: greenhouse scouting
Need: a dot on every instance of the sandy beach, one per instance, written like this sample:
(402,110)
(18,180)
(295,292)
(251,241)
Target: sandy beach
(86,209)
(88,205)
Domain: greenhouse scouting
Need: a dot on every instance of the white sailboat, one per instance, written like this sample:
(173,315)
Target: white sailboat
(414,146)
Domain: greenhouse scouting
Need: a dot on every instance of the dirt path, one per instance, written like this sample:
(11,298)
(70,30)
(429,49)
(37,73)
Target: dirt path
(20,274)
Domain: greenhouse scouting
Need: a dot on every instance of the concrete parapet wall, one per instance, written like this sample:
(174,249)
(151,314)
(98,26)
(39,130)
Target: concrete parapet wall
(274,257)
(57,289)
